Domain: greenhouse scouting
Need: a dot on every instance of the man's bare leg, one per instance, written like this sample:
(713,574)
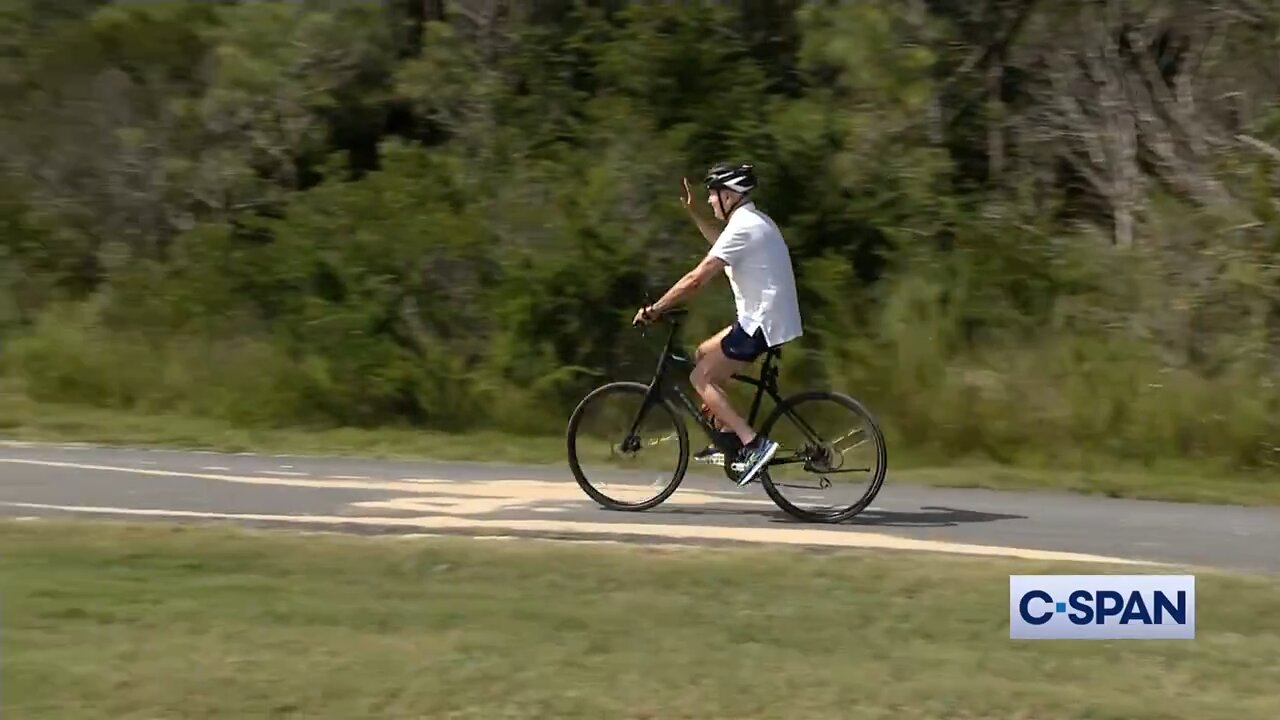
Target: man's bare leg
(713,369)
(712,343)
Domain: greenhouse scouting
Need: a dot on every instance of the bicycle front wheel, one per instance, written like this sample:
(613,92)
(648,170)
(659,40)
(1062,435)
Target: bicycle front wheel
(627,451)
(831,459)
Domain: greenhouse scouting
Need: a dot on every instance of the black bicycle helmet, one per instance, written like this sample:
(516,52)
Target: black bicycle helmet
(738,178)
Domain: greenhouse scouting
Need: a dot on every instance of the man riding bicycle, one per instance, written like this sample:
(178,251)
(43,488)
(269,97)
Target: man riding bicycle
(751,252)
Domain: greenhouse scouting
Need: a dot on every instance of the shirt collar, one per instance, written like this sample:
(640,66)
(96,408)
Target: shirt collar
(746,205)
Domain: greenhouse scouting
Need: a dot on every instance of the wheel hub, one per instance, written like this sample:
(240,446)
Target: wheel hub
(820,459)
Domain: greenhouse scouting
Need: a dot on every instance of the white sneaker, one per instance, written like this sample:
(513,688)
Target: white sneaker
(753,458)
(710,455)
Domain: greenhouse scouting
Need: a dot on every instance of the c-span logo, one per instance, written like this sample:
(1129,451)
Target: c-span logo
(1102,607)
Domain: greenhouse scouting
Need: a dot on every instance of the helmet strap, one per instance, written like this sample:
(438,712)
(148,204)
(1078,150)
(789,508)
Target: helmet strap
(727,210)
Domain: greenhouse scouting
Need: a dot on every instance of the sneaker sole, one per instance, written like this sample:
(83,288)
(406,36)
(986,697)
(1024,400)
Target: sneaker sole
(751,472)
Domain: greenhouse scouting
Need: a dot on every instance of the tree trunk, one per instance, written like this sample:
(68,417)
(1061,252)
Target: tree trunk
(419,13)
(995,117)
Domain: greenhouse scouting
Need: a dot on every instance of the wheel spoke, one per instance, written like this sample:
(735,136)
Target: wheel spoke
(664,438)
(859,431)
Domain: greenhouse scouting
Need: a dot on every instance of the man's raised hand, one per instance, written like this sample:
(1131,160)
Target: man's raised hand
(687,200)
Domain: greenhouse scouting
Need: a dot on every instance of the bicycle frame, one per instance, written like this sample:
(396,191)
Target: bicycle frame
(673,357)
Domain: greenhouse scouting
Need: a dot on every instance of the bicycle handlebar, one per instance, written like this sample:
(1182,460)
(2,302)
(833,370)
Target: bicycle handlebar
(668,316)
(671,316)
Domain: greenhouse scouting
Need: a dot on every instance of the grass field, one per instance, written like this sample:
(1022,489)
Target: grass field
(131,622)
(24,419)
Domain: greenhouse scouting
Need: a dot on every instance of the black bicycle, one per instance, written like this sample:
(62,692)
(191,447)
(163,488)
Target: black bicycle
(617,425)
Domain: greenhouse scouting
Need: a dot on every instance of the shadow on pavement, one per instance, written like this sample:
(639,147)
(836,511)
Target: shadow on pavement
(931,516)
(739,512)
(926,517)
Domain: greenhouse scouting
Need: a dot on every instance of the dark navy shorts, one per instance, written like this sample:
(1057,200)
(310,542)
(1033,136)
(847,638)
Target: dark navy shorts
(738,345)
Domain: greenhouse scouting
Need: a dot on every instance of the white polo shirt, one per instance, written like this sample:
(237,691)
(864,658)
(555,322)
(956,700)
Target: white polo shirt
(759,271)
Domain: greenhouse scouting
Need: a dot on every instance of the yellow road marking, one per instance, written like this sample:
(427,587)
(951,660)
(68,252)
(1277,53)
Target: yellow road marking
(781,536)
(423,494)
(463,500)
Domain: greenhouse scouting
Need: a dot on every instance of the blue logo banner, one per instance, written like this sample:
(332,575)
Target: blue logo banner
(1102,607)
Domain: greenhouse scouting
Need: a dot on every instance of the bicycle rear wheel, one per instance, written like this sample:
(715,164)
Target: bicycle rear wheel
(817,474)
(627,453)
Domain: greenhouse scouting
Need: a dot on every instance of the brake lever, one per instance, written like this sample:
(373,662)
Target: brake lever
(648,300)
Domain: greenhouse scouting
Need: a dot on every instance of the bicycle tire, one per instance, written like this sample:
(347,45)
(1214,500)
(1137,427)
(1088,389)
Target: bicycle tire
(661,404)
(882,457)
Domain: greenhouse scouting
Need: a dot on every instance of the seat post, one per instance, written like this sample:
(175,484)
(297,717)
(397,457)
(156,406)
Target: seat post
(770,372)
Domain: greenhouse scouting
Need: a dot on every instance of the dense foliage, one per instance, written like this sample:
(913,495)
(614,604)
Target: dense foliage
(1020,227)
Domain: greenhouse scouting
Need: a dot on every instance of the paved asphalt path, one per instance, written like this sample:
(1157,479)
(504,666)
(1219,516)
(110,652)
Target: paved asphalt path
(383,496)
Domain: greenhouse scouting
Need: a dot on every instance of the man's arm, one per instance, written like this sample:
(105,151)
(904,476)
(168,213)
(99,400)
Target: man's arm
(690,283)
(706,225)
